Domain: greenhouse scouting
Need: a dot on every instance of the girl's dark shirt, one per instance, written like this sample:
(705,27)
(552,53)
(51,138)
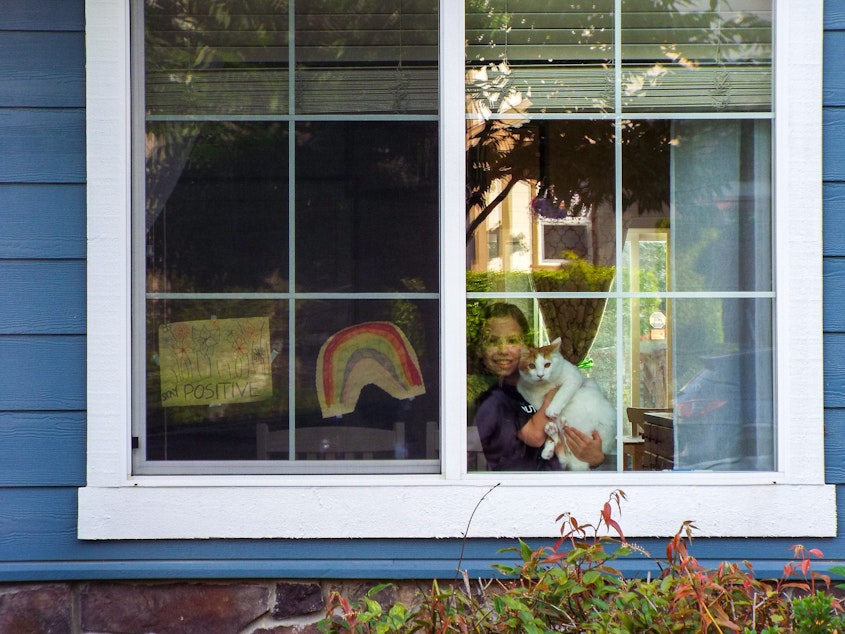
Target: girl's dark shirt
(501,413)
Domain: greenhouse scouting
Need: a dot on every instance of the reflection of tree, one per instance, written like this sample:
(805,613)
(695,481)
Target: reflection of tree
(498,150)
(573,157)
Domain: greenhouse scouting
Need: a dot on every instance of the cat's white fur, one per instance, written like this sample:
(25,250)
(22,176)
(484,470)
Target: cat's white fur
(579,402)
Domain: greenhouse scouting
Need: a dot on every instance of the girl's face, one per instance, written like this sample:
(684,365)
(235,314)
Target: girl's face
(502,346)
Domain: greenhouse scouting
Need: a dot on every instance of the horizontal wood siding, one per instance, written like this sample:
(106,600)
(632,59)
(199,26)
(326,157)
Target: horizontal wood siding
(834,217)
(42,221)
(43,15)
(42,273)
(43,346)
(44,80)
(42,145)
(49,297)
(834,248)
(834,446)
(42,373)
(42,449)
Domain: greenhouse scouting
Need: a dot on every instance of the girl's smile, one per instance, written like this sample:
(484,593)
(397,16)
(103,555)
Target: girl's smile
(502,347)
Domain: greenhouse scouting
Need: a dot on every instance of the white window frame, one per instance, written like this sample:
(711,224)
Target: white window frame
(792,501)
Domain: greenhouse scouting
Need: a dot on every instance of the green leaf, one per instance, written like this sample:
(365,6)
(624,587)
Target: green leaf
(590,577)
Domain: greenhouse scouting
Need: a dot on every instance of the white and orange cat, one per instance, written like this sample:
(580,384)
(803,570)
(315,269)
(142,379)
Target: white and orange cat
(579,402)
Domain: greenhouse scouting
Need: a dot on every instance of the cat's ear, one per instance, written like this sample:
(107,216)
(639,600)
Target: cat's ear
(555,343)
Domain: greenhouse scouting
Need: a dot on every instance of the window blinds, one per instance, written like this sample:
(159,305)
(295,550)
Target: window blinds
(232,57)
(671,56)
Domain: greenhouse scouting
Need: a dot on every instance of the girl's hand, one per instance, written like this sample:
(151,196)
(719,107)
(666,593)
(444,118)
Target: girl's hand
(584,447)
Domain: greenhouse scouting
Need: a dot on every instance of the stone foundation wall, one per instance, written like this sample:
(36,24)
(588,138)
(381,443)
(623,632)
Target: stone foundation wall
(202,607)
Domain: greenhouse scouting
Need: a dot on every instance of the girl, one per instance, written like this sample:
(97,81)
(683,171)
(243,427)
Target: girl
(512,431)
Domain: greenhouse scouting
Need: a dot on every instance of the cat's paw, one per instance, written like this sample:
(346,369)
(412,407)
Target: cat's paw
(548,451)
(553,413)
(550,429)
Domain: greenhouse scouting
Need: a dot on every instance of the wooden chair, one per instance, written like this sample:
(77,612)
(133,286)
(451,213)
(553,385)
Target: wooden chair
(635,415)
(333,442)
(475,454)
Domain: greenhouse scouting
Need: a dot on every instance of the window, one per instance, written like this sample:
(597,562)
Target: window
(587,129)
(288,253)
(232,175)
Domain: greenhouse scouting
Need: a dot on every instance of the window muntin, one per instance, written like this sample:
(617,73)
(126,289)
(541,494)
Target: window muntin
(696,323)
(291,191)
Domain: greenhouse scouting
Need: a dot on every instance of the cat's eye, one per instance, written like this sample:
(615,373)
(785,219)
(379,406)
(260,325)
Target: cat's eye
(548,364)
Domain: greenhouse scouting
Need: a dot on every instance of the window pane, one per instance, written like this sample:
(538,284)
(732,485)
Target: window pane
(548,188)
(703,187)
(215,369)
(675,57)
(697,56)
(723,373)
(527,56)
(369,365)
(367,206)
(360,56)
(225,57)
(722,196)
(216,209)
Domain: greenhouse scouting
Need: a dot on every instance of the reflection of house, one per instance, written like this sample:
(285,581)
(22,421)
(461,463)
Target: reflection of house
(44,449)
(510,235)
(520,239)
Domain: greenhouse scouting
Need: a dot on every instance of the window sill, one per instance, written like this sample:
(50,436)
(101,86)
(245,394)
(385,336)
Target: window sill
(431,507)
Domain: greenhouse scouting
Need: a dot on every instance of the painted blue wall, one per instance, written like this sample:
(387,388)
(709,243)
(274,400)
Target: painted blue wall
(42,347)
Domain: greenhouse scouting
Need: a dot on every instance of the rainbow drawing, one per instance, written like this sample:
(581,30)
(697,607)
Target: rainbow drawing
(373,353)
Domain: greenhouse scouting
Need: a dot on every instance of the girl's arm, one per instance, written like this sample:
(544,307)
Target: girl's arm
(533,433)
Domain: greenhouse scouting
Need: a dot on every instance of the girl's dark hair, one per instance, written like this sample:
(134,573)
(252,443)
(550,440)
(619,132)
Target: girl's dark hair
(502,309)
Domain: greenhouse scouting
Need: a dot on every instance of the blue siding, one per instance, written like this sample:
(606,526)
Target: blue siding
(49,297)
(41,145)
(43,15)
(834,301)
(42,449)
(834,445)
(42,268)
(834,218)
(834,16)
(42,221)
(44,80)
(42,349)
(42,373)
(834,254)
